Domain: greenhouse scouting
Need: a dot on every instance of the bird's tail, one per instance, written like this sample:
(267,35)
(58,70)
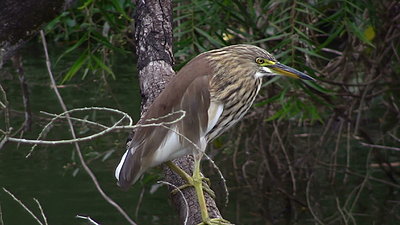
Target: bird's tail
(129,169)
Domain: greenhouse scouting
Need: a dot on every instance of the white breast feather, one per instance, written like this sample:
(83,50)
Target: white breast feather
(214,113)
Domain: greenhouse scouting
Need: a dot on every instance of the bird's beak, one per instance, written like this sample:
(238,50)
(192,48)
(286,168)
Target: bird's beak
(289,71)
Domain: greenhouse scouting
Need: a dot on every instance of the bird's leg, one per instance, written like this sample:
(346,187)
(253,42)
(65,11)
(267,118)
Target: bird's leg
(198,183)
(189,179)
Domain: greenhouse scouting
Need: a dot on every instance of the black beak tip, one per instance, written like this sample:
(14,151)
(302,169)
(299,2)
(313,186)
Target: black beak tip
(306,77)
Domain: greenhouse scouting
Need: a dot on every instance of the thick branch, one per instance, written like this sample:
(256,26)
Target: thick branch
(153,34)
(22,19)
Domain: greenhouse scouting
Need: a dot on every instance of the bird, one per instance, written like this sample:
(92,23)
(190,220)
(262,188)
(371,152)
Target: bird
(214,91)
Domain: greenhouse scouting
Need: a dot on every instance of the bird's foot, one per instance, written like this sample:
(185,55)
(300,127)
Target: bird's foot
(190,180)
(205,186)
(216,221)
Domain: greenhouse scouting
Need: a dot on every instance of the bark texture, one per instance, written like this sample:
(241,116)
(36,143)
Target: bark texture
(153,35)
(20,21)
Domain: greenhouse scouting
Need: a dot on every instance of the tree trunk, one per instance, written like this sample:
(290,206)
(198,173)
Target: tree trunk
(153,35)
(20,20)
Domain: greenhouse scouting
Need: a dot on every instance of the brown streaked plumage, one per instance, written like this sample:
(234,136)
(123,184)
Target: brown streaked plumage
(215,89)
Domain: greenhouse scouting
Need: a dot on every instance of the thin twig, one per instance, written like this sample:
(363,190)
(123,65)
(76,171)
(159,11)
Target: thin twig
(340,210)
(183,197)
(380,146)
(348,151)
(360,109)
(2,105)
(76,119)
(5,106)
(17,61)
(363,183)
(96,135)
(309,202)
(139,202)
(222,178)
(334,156)
(23,206)
(73,140)
(3,141)
(77,148)
(289,163)
(363,176)
(48,127)
(1,216)
(41,210)
(88,219)
(91,137)
(394,137)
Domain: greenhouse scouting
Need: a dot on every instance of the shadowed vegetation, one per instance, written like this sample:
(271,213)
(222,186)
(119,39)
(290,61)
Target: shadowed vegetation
(307,153)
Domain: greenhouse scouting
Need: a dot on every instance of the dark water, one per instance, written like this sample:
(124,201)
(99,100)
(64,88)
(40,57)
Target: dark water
(53,174)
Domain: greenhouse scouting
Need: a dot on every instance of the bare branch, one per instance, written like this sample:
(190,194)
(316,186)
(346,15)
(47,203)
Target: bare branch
(88,219)
(23,206)
(183,197)
(380,146)
(1,216)
(91,137)
(77,148)
(41,211)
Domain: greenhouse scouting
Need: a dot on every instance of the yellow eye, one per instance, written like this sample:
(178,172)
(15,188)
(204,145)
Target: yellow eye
(260,61)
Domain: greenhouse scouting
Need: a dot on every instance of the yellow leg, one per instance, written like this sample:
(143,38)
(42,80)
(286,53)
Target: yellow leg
(197,182)
(189,179)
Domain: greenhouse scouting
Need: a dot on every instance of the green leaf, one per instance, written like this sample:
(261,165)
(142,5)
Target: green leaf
(102,65)
(309,52)
(214,41)
(101,39)
(270,81)
(267,101)
(272,38)
(51,25)
(72,48)
(277,115)
(119,9)
(310,26)
(85,5)
(332,36)
(76,66)
(318,87)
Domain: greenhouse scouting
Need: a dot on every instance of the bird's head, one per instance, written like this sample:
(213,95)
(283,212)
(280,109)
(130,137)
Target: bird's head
(250,59)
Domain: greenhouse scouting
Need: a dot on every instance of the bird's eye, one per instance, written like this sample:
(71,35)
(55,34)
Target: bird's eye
(260,61)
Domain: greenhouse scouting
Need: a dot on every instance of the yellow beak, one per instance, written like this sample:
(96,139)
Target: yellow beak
(289,71)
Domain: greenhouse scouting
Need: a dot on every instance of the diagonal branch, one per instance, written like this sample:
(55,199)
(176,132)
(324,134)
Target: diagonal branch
(77,148)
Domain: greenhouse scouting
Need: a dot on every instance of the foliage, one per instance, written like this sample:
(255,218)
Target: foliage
(98,27)
(305,152)
(303,155)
